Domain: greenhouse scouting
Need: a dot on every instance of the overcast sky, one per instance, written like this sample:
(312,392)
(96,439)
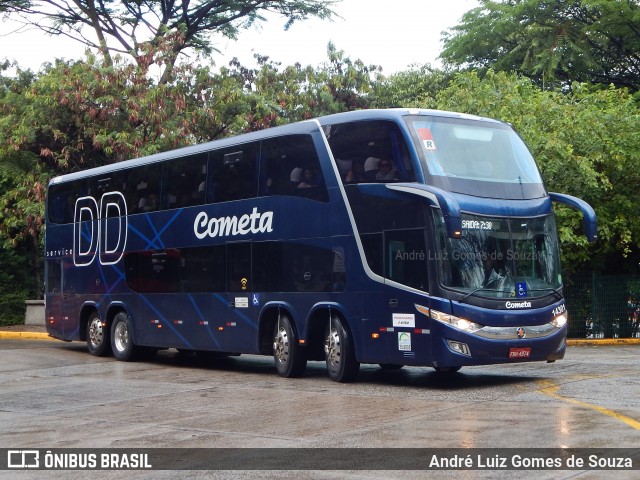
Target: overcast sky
(393,34)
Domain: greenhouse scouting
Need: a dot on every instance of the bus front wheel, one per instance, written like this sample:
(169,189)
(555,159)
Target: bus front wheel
(287,353)
(339,352)
(97,336)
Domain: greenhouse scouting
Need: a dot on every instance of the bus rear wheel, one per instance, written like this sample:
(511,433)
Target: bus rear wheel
(339,352)
(98,339)
(122,339)
(287,353)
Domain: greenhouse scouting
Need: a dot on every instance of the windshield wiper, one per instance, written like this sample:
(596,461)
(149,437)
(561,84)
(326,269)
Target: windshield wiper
(467,295)
(553,290)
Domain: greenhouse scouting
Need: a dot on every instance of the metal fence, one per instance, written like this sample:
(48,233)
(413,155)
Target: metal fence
(603,306)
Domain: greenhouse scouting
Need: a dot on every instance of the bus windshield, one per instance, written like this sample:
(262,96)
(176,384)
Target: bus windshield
(500,257)
(486,158)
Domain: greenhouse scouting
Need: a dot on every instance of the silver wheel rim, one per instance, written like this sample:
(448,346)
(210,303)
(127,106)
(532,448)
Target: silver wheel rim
(96,333)
(121,338)
(333,349)
(281,345)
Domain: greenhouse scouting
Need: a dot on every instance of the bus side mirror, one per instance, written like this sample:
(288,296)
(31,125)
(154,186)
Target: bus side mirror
(590,220)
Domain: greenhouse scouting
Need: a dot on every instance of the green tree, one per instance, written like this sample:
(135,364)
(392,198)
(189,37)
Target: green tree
(21,199)
(554,42)
(283,95)
(15,286)
(143,28)
(419,85)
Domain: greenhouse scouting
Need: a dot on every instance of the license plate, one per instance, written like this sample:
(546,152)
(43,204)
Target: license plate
(515,353)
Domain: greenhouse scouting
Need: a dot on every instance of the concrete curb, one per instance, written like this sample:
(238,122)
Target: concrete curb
(25,335)
(603,341)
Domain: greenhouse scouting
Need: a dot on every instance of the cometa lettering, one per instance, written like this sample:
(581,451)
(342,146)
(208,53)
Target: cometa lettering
(518,304)
(254,222)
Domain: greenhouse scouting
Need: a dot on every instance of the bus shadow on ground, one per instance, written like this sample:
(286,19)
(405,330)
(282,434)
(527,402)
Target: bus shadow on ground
(369,374)
(418,377)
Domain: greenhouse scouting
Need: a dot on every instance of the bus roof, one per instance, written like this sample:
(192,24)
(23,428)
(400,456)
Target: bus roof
(302,127)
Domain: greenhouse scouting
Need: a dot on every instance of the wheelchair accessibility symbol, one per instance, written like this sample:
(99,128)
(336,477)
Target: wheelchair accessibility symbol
(255,299)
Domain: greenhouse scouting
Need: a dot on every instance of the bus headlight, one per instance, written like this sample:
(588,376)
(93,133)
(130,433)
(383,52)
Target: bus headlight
(455,322)
(560,321)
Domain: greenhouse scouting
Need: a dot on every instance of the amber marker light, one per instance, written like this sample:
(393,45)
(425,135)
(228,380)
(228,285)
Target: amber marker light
(375,335)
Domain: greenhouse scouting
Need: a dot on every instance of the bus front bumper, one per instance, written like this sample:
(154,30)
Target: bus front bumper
(496,345)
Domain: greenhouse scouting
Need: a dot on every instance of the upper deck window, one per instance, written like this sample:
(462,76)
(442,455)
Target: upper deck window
(285,165)
(476,157)
(370,152)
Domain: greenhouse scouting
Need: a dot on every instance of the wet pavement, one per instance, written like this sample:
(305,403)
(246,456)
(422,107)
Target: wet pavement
(55,395)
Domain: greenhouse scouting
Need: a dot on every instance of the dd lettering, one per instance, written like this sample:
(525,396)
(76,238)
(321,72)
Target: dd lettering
(100,230)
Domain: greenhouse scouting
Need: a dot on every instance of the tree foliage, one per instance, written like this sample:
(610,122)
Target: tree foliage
(142,27)
(419,85)
(554,42)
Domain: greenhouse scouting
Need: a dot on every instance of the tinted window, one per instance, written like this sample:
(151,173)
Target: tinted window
(290,166)
(239,267)
(233,173)
(392,235)
(375,213)
(141,187)
(268,264)
(153,271)
(372,151)
(54,276)
(312,269)
(406,258)
(372,245)
(203,269)
(104,190)
(62,200)
(184,182)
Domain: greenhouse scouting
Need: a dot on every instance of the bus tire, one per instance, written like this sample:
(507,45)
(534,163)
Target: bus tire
(289,357)
(340,353)
(122,338)
(98,338)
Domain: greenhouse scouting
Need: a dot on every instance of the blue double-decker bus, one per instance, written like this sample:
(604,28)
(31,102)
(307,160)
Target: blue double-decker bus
(392,237)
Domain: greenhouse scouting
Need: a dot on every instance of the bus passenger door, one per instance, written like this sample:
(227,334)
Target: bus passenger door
(239,328)
(53,298)
(406,264)
(61,300)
